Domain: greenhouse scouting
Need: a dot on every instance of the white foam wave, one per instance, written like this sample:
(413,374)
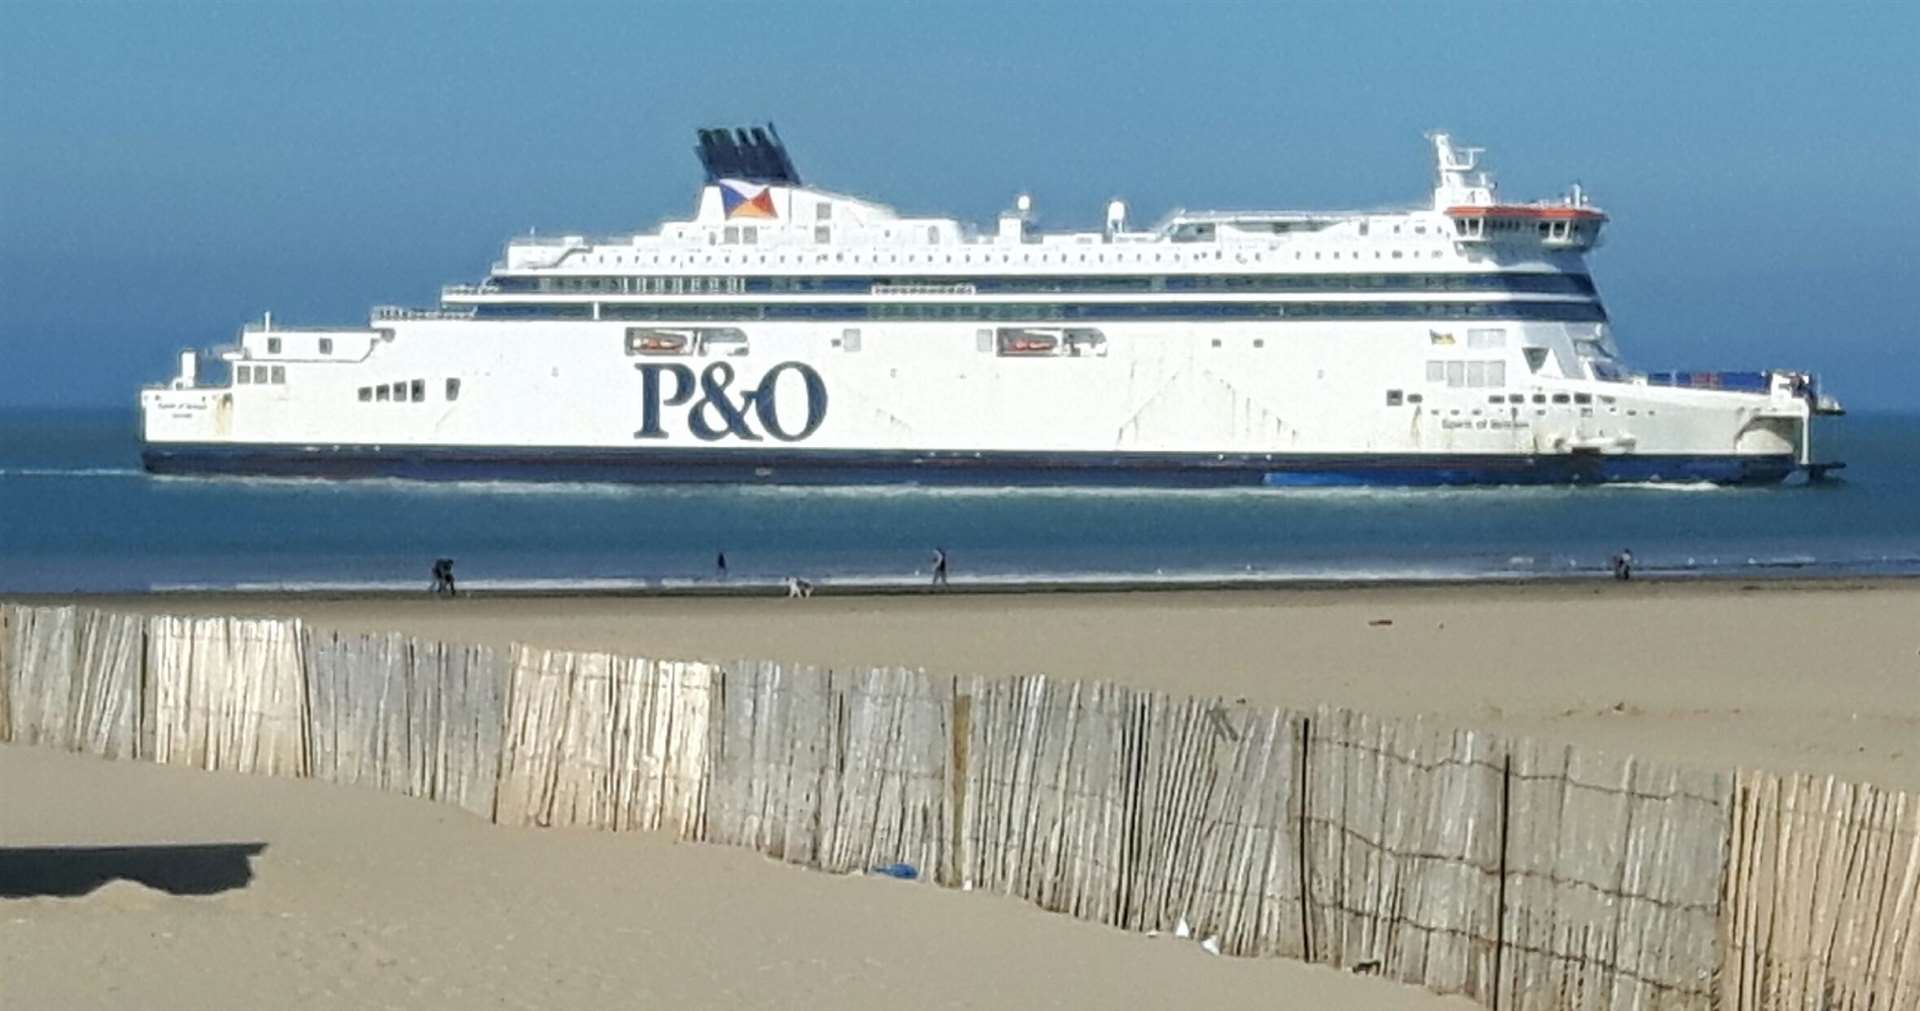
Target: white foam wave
(70,472)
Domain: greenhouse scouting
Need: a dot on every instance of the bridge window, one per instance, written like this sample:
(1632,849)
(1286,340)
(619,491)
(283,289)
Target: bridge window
(419,390)
(1394,398)
(326,345)
(273,345)
(366,394)
(453,389)
(383,393)
(279,375)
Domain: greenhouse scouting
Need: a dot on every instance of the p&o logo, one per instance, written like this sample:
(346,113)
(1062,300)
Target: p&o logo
(720,413)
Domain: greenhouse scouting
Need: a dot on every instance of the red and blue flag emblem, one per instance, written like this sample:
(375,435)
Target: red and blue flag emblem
(746,200)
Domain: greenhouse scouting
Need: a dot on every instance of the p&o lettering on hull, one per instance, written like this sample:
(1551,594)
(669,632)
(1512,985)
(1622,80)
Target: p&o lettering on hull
(713,411)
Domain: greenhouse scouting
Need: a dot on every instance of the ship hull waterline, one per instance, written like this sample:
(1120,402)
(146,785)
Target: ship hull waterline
(956,469)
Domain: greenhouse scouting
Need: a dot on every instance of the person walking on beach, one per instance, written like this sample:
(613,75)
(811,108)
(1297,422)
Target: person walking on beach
(1623,565)
(939,566)
(720,564)
(439,577)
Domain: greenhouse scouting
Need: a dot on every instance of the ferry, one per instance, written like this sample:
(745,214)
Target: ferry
(785,333)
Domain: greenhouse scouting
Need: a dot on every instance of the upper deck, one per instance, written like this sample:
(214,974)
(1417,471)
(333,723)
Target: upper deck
(754,216)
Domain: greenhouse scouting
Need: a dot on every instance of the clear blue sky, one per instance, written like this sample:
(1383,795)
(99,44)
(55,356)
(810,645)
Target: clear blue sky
(168,171)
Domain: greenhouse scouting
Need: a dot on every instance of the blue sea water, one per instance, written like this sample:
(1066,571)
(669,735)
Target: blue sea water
(78,514)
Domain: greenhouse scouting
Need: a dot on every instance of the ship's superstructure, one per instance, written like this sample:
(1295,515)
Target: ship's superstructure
(785,333)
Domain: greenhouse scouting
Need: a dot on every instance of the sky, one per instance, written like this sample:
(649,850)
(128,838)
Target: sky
(169,171)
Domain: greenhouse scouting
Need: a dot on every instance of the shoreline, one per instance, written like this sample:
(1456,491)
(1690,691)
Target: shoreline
(1781,577)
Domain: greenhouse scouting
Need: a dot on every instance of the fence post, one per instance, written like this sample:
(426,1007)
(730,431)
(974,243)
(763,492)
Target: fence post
(1500,903)
(1306,815)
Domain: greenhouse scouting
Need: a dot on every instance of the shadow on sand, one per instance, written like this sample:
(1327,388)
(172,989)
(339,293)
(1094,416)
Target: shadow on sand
(71,871)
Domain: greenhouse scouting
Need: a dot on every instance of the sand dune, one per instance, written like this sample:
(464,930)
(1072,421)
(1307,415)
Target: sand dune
(362,899)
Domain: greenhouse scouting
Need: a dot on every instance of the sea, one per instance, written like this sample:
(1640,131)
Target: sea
(77,514)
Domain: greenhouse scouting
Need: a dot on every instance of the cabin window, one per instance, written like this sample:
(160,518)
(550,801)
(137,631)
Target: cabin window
(366,394)
(1480,338)
(1414,398)
(453,389)
(822,234)
(383,393)
(1394,398)
(1436,372)
(732,234)
(243,375)
(850,340)
(326,345)
(933,234)
(983,340)
(273,345)
(823,211)
(1539,398)
(1583,398)
(1561,398)
(1456,374)
(279,375)
(419,390)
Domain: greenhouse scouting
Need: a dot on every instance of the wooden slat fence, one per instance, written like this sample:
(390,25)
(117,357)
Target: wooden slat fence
(1525,876)
(1821,901)
(406,715)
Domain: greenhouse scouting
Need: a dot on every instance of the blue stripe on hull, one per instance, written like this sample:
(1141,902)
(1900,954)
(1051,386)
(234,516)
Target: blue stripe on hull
(848,467)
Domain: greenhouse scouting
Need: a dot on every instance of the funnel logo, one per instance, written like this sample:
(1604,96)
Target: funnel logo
(745,200)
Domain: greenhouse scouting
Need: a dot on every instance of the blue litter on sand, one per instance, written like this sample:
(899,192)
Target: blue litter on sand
(905,872)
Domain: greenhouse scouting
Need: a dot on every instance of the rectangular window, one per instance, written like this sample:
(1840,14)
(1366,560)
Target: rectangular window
(273,345)
(279,375)
(1561,398)
(1583,398)
(1476,373)
(732,235)
(243,374)
(453,389)
(850,340)
(383,393)
(983,340)
(326,345)
(1456,374)
(1496,373)
(823,211)
(822,234)
(366,394)
(1414,398)
(1436,372)
(1480,338)
(1393,398)
(419,390)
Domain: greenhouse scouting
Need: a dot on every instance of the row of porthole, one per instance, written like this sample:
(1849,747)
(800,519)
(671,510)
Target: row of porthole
(987,259)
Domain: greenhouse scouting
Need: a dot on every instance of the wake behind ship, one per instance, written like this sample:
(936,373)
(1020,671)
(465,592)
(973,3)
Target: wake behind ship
(788,334)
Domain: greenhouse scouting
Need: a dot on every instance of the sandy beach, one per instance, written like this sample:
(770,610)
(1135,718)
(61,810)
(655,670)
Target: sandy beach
(362,899)
(1788,676)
